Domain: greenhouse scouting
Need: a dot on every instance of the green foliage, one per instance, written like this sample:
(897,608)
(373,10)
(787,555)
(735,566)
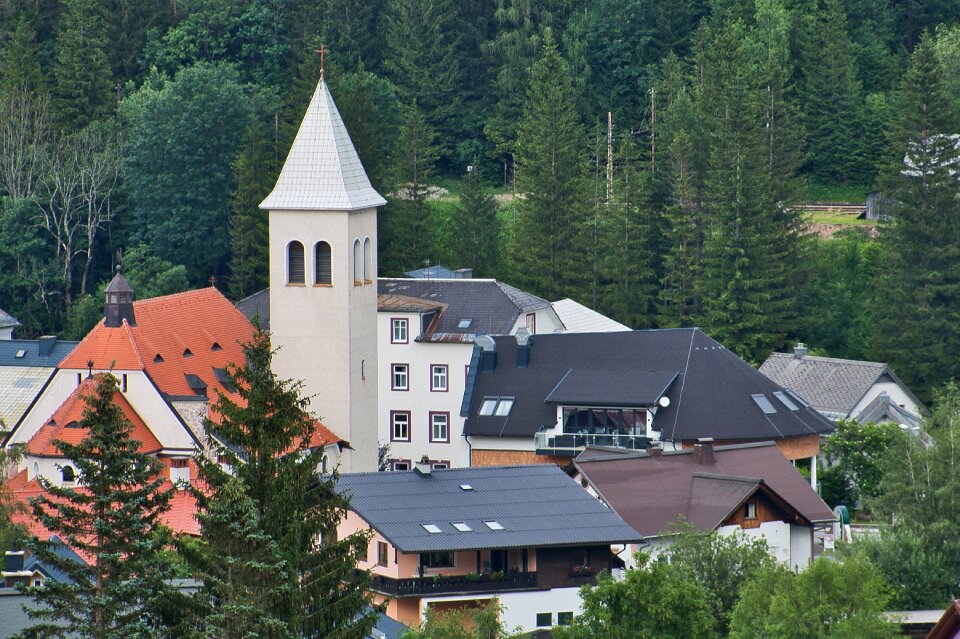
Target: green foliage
(551,173)
(19,65)
(473,233)
(722,564)
(112,518)
(178,172)
(829,600)
(653,601)
(274,498)
(469,623)
(857,452)
(83,90)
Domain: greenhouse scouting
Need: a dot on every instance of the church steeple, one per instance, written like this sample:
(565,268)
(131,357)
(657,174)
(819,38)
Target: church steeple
(119,302)
(322,171)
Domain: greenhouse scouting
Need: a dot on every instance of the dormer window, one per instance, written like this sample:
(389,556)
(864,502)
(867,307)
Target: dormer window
(216,347)
(187,352)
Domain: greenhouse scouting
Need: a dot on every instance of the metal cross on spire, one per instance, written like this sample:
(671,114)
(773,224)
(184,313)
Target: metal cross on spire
(322,51)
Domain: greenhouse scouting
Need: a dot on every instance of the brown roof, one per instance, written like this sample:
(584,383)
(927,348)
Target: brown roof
(949,624)
(652,492)
(406,304)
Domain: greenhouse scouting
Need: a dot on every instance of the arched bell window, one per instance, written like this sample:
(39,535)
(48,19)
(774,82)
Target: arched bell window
(295,268)
(323,269)
(69,475)
(357,263)
(368,273)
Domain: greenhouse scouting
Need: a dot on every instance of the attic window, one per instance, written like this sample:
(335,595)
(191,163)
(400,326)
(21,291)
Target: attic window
(462,527)
(466,487)
(197,385)
(498,406)
(433,529)
(764,404)
(21,353)
(73,424)
(157,358)
(786,401)
(224,378)
(465,323)
(52,422)
(503,407)
(488,406)
(216,347)
(187,352)
(494,525)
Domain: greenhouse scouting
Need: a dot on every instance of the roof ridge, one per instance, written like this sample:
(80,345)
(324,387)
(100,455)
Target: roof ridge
(176,297)
(837,360)
(325,95)
(133,343)
(741,478)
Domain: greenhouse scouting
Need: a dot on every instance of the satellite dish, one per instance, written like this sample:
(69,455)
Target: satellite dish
(663,401)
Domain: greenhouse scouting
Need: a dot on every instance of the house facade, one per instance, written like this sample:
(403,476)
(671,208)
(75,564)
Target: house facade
(548,397)
(845,388)
(458,538)
(751,489)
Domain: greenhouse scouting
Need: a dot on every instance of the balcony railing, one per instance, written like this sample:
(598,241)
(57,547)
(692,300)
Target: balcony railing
(569,444)
(450,584)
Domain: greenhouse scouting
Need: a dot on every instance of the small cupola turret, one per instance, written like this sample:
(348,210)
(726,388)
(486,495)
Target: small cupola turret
(119,302)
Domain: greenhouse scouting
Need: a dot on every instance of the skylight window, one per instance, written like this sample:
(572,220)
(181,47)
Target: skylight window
(466,487)
(462,527)
(786,401)
(797,398)
(21,353)
(465,323)
(494,525)
(433,529)
(764,404)
(498,406)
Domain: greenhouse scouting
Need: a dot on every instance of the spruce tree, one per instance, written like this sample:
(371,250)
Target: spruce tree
(83,90)
(918,336)
(474,234)
(407,239)
(113,518)
(274,496)
(255,171)
(19,66)
(551,174)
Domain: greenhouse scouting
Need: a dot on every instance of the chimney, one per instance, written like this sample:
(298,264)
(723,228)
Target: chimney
(799,350)
(488,353)
(14,561)
(703,451)
(523,347)
(119,302)
(464,273)
(654,451)
(46,343)
(422,467)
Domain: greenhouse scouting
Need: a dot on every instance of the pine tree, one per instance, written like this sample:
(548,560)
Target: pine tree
(113,518)
(255,171)
(474,234)
(918,337)
(19,66)
(274,494)
(551,174)
(407,239)
(83,90)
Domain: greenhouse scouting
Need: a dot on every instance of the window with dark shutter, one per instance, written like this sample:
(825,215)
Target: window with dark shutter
(295,269)
(322,258)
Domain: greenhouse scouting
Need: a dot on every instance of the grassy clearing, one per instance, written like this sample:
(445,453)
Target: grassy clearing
(836,217)
(833,193)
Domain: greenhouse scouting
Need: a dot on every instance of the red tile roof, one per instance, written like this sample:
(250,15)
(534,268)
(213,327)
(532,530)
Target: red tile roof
(176,335)
(63,423)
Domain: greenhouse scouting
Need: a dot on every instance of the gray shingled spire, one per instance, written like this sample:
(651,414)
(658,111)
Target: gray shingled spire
(322,171)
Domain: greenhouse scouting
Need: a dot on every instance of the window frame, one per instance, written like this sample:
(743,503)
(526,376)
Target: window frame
(393,425)
(393,376)
(530,323)
(303,264)
(446,416)
(748,507)
(396,322)
(446,378)
(425,558)
(357,263)
(317,265)
(383,554)
(368,269)
(405,462)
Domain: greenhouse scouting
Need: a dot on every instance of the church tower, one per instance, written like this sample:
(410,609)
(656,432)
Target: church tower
(323,278)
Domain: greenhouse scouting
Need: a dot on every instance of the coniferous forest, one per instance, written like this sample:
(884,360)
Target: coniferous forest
(644,157)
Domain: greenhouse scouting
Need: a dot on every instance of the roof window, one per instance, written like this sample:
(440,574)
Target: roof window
(187,352)
(197,385)
(466,487)
(497,406)
(494,525)
(157,358)
(798,399)
(433,529)
(786,401)
(216,347)
(21,353)
(462,527)
(465,323)
(761,400)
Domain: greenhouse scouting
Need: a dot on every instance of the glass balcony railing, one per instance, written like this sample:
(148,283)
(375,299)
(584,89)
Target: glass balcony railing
(569,444)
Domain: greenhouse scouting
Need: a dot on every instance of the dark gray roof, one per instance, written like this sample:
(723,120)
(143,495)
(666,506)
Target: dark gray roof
(883,409)
(387,628)
(492,307)
(436,272)
(257,305)
(45,352)
(537,506)
(830,385)
(711,396)
(586,387)
(651,493)
(7,320)
(118,284)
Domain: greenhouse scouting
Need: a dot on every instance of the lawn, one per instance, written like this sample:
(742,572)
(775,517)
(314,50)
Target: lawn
(811,192)
(836,217)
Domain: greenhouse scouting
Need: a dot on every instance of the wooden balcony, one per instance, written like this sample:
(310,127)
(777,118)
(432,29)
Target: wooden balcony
(453,584)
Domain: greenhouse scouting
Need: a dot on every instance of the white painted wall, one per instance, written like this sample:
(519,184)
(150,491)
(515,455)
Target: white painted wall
(327,335)
(520,608)
(898,395)
(801,547)
(546,322)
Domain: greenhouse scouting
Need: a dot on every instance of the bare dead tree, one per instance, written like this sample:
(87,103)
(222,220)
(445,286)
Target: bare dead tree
(24,134)
(99,164)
